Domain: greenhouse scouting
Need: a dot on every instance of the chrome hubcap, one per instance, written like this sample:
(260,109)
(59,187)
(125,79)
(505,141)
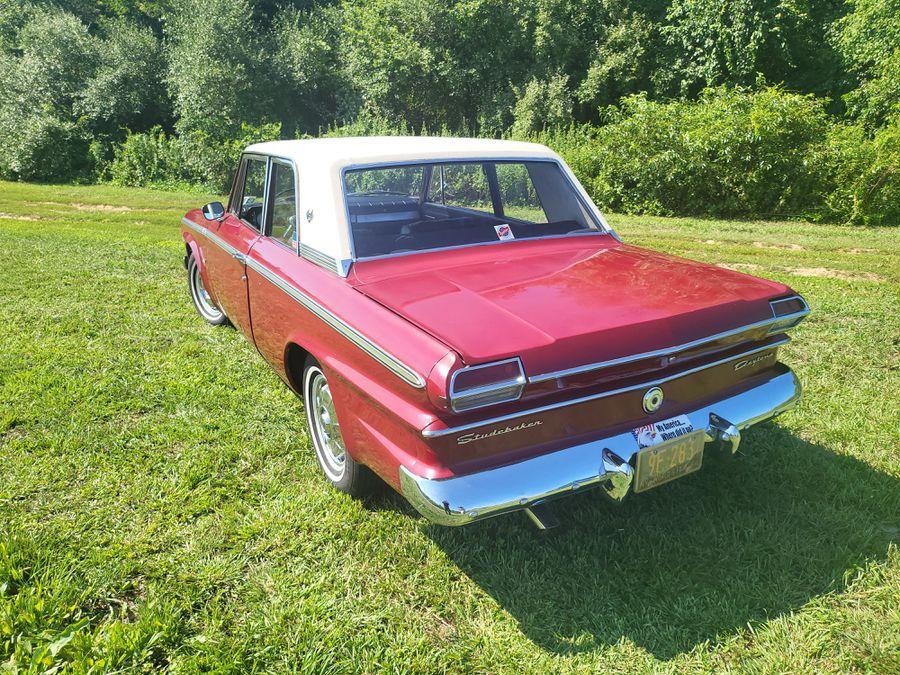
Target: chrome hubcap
(202,297)
(327,434)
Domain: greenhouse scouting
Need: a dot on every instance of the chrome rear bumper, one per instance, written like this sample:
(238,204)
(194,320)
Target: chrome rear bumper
(604,463)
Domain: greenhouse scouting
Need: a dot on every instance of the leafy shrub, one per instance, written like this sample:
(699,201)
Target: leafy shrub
(732,153)
(214,63)
(127,89)
(41,147)
(148,158)
(154,158)
(865,175)
(543,103)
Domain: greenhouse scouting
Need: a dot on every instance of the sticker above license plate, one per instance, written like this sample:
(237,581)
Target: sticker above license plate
(669,449)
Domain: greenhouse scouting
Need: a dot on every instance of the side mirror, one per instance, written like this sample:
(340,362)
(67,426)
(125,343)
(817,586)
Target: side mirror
(214,211)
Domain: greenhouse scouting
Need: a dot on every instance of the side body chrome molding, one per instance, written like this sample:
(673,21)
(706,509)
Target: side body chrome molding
(436,433)
(385,358)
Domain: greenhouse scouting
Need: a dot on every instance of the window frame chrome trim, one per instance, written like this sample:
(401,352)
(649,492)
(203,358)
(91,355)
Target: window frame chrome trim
(502,419)
(666,351)
(284,161)
(385,358)
(602,226)
(242,175)
(518,382)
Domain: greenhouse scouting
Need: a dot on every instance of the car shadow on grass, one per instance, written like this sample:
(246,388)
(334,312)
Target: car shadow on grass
(745,540)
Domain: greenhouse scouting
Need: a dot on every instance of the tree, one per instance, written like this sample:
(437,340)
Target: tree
(127,90)
(734,41)
(216,72)
(39,90)
(869,41)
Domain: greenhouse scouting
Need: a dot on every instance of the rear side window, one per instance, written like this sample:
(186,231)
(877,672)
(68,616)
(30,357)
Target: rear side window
(283,204)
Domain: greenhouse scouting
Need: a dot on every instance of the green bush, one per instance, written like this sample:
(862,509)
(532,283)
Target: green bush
(731,153)
(41,147)
(148,158)
(865,175)
(198,158)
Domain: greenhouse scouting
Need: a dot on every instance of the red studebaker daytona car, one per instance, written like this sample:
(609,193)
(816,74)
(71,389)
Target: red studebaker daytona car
(461,320)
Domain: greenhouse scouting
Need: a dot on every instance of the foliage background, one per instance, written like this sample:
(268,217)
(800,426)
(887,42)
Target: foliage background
(736,107)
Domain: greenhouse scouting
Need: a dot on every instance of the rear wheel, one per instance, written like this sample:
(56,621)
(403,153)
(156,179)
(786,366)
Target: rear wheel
(341,470)
(203,302)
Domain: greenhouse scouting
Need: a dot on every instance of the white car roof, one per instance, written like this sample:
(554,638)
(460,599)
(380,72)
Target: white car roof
(339,153)
(319,164)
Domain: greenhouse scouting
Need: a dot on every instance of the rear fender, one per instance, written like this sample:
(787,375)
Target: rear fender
(193,248)
(370,411)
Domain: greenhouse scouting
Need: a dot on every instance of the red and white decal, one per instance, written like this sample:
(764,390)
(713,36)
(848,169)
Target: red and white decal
(504,231)
(660,432)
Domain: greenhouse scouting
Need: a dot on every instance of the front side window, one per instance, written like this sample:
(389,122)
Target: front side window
(283,204)
(252,194)
(426,206)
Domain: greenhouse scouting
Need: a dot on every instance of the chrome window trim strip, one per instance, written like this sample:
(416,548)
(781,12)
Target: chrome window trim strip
(666,351)
(455,247)
(437,433)
(386,359)
(316,257)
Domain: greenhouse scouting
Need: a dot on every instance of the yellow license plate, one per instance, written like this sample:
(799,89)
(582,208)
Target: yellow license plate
(667,461)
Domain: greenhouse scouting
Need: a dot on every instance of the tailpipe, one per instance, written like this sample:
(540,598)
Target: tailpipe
(724,432)
(616,476)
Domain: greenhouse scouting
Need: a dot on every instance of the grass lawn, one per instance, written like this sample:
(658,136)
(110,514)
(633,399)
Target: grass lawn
(160,506)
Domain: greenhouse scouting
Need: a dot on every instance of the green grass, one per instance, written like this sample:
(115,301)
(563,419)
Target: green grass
(160,506)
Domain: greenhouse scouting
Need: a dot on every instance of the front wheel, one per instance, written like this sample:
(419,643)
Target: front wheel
(203,302)
(341,470)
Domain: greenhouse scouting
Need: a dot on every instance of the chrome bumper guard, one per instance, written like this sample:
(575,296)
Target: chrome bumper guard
(605,463)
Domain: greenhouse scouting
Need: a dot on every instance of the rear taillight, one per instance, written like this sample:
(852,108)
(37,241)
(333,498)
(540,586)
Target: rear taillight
(486,384)
(789,312)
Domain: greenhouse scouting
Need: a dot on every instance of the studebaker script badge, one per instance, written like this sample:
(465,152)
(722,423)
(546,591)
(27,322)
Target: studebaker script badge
(468,438)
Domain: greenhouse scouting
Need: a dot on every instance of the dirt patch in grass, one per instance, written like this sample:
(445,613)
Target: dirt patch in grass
(13,216)
(739,267)
(109,208)
(826,273)
(779,247)
(857,251)
(820,272)
(99,207)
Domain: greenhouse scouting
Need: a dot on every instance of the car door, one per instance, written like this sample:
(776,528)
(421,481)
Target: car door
(239,230)
(277,251)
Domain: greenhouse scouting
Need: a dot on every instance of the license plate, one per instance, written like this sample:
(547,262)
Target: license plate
(669,460)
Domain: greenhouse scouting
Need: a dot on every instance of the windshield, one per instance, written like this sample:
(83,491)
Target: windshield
(417,207)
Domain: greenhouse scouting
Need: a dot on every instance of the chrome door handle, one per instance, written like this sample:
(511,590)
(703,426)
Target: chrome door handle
(240,257)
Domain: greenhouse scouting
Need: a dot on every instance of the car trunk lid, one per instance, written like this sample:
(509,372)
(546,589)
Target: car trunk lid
(565,305)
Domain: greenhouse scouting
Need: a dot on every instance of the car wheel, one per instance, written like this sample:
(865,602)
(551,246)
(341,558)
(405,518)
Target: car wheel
(203,302)
(341,470)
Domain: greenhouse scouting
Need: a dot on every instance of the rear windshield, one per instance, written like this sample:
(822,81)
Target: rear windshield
(417,207)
